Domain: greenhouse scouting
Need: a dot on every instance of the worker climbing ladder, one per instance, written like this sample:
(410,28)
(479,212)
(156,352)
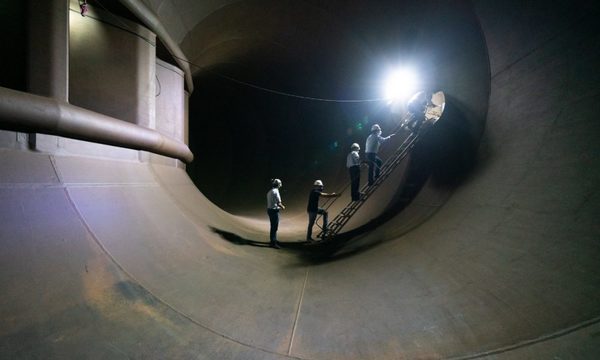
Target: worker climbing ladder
(432,114)
(386,170)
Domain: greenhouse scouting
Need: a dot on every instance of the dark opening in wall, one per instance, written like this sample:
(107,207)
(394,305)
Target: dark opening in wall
(14,40)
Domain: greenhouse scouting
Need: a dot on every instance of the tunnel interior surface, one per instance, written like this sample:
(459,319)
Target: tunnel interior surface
(288,103)
(484,242)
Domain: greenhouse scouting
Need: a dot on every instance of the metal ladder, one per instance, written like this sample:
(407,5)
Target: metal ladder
(386,170)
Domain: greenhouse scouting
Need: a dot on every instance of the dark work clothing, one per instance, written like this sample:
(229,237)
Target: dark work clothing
(312,216)
(313,200)
(314,210)
(374,167)
(417,106)
(274,218)
(415,122)
(354,182)
(418,103)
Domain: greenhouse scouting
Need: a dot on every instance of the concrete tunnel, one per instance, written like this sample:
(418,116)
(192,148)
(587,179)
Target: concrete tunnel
(483,243)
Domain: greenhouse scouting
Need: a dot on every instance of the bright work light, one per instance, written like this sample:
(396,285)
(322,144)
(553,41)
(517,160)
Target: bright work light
(400,84)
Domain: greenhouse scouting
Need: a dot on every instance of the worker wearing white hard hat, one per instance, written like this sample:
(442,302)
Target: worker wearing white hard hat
(274,204)
(371,149)
(313,208)
(353,165)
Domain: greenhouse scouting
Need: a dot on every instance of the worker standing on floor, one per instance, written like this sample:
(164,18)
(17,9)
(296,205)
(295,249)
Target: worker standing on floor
(274,204)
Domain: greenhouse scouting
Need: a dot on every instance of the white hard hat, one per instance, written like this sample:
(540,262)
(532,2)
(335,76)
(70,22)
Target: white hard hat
(375,127)
(276,182)
(318,183)
(355,146)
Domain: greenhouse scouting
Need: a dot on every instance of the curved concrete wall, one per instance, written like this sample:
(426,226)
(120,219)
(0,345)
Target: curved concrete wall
(117,259)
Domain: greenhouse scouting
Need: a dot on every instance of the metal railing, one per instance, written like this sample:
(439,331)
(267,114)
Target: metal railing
(25,112)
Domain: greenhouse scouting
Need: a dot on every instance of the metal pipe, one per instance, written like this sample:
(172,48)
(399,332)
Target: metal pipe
(20,111)
(150,19)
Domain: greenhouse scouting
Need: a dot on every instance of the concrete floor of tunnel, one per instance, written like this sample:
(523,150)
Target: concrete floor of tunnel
(137,250)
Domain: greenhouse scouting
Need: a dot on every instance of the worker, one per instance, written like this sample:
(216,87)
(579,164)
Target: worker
(353,164)
(274,204)
(374,141)
(313,208)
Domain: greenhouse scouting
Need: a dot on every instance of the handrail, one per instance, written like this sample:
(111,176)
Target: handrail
(149,18)
(21,111)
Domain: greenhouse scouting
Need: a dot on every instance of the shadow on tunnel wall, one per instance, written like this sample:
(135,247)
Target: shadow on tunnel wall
(446,153)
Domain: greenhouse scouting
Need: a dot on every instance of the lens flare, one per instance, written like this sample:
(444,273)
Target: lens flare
(400,84)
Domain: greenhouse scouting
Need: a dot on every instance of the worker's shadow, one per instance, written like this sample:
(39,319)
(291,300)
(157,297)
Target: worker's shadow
(317,252)
(238,240)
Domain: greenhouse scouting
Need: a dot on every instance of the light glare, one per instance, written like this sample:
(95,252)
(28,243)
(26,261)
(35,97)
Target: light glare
(400,84)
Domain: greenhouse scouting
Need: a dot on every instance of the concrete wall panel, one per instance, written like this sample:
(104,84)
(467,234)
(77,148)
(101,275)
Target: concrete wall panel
(170,100)
(112,67)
